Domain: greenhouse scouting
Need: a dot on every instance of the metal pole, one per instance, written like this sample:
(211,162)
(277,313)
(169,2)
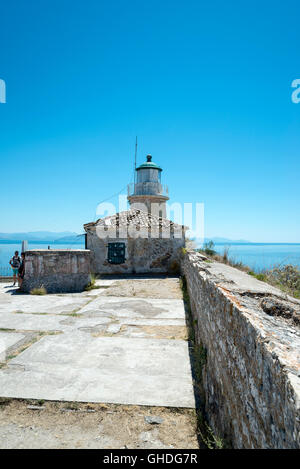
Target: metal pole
(24,246)
(135,159)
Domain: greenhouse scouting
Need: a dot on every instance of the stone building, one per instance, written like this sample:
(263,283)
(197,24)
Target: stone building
(139,240)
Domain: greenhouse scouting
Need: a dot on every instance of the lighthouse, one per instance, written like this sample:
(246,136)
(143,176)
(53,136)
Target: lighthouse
(147,193)
(142,239)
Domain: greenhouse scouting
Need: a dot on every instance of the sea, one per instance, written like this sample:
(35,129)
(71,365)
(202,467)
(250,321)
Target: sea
(258,256)
(262,256)
(7,250)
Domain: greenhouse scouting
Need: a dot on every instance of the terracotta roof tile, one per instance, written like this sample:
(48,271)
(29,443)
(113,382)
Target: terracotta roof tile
(133,217)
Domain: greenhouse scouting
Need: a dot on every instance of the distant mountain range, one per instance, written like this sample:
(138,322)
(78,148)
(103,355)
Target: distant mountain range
(218,240)
(43,236)
(71,237)
(226,240)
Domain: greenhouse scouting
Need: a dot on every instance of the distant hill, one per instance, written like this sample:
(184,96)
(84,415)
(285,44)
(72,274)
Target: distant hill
(219,240)
(226,240)
(49,236)
(71,237)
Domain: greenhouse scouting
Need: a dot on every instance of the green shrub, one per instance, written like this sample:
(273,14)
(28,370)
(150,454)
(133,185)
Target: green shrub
(92,285)
(208,248)
(261,277)
(286,277)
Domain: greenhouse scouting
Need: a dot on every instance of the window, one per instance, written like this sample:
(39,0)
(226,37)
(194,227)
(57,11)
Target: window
(116,253)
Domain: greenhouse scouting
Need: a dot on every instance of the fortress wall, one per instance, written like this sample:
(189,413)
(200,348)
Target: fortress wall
(57,270)
(250,332)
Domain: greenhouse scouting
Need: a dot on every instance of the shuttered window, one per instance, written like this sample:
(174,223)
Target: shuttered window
(116,253)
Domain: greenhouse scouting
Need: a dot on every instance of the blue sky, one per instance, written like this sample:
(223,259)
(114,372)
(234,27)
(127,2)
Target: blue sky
(206,87)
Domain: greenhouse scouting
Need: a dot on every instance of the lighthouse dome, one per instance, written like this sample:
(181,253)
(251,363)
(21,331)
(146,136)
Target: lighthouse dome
(149,164)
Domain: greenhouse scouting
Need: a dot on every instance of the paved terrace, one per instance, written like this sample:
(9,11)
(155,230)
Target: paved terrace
(122,343)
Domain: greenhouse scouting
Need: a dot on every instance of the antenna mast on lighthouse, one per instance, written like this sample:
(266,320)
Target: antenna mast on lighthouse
(135,153)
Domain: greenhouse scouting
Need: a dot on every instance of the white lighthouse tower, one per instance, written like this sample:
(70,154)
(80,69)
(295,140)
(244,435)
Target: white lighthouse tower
(147,193)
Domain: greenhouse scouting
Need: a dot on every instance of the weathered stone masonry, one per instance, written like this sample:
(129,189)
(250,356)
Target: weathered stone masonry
(152,244)
(58,271)
(251,376)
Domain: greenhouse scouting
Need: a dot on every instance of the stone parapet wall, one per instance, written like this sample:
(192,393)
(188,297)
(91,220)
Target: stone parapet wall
(58,271)
(250,331)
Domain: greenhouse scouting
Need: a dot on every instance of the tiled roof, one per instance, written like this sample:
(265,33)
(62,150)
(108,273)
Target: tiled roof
(133,217)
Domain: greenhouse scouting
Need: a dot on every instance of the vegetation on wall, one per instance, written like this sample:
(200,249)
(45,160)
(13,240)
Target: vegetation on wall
(285,277)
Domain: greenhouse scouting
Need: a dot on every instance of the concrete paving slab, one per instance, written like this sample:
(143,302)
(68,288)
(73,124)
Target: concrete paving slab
(102,369)
(7,339)
(48,304)
(151,322)
(84,363)
(136,307)
(52,322)
(47,322)
(29,322)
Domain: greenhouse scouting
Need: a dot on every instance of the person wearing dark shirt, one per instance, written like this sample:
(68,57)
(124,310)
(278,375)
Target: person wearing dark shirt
(15,263)
(21,270)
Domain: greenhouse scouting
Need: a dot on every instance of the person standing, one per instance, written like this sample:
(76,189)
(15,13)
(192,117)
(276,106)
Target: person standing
(15,263)
(21,270)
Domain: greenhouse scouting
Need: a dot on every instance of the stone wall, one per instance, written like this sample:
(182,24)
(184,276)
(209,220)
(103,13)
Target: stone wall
(142,255)
(57,271)
(250,331)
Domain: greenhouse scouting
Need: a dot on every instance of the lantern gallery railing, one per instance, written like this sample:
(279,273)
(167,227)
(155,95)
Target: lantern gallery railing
(147,188)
